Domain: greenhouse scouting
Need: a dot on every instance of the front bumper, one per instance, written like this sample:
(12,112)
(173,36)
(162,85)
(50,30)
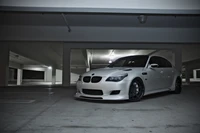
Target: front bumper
(106,88)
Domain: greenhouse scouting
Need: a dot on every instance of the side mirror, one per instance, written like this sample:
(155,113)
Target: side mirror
(153,65)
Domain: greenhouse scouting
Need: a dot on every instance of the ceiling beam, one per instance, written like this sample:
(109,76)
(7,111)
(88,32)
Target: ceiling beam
(100,34)
(34,52)
(100,10)
(15,65)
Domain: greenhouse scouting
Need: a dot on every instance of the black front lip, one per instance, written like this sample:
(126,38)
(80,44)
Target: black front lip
(94,98)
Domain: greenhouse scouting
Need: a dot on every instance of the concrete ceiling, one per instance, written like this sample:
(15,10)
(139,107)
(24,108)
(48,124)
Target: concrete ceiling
(104,20)
(49,54)
(16,58)
(39,27)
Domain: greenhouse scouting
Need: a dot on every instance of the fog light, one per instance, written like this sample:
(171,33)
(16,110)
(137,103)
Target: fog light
(115,92)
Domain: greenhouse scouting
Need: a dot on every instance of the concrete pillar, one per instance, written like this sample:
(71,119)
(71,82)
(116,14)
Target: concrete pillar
(19,76)
(4,64)
(87,69)
(178,59)
(45,75)
(53,76)
(195,74)
(66,65)
(48,75)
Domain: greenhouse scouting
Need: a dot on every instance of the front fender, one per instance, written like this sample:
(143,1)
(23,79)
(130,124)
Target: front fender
(137,75)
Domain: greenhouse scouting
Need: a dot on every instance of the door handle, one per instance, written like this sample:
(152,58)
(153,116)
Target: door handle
(144,73)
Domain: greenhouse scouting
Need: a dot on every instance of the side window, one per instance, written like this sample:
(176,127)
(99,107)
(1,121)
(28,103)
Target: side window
(119,63)
(136,62)
(166,63)
(162,62)
(155,60)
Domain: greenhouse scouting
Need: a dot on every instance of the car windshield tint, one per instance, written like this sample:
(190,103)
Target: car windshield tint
(132,61)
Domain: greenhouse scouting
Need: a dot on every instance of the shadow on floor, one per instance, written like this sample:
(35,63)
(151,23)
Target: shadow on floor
(152,96)
(157,95)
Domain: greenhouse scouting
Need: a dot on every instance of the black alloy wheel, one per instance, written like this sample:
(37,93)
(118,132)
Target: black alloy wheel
(136,91)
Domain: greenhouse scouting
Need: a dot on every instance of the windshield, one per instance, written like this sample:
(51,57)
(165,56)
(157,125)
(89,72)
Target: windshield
(131,61)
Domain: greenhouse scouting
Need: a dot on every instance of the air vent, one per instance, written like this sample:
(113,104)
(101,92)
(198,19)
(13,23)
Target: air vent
(96,79)
(87,79)
(92,92)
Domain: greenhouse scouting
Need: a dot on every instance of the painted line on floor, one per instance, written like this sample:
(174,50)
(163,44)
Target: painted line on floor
(17,101)
(30,92)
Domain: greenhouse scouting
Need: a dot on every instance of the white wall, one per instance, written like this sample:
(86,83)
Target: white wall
(122,4)
(195,79)
(74,78)
(48,76)
(58,75)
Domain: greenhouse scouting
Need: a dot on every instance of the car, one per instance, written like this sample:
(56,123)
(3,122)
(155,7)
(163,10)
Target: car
(129,78)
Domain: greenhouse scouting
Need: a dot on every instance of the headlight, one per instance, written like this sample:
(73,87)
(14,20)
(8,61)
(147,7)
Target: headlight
(116,78)
(80,77)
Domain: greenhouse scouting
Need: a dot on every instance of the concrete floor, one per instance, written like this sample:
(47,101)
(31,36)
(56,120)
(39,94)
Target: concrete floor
(39,110)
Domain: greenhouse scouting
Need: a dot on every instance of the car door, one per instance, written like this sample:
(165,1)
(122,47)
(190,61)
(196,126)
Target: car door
(167,72)
(156,77)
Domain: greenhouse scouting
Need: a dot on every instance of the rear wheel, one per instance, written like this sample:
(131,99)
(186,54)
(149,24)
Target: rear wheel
(136,90)
(178,86)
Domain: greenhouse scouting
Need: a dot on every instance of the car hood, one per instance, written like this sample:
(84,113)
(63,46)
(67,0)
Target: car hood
(111,71)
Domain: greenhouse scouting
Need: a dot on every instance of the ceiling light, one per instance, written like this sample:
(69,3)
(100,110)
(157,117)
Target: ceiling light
(142,19)
(50,67)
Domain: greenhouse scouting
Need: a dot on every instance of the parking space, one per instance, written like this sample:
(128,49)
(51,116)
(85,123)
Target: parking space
(34,110)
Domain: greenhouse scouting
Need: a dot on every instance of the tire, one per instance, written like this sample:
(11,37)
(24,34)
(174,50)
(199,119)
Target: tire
(178,86)
(136,90)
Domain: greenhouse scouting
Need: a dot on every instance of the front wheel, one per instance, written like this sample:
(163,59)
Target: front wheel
(136,91)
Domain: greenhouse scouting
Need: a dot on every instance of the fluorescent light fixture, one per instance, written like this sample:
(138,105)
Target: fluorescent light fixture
(49,67)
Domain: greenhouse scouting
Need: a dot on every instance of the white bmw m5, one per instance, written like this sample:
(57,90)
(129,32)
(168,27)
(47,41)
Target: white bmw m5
(129,78)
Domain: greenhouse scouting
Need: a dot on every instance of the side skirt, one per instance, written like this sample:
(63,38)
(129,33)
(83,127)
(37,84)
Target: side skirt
(156,91)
